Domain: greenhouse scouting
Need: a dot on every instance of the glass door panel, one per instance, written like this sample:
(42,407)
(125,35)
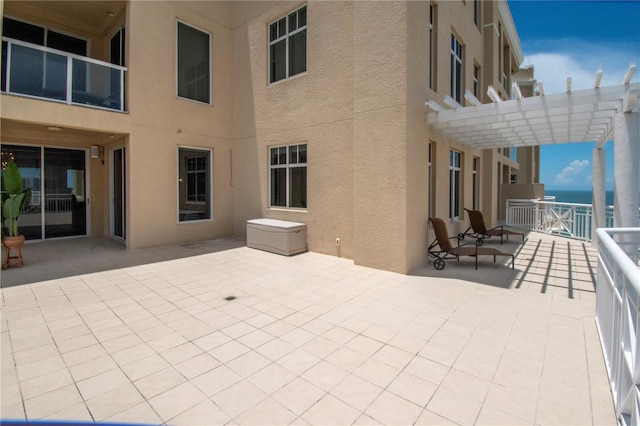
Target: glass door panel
(27,159)
(118,206)
(65,194)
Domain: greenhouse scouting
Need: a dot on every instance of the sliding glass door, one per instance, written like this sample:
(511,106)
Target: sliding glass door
(29,161)
(118,195)
(65,209)
(57,178)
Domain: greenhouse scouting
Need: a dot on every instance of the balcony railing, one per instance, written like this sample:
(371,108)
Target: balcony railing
(617,316)
(569,220)
(41,72)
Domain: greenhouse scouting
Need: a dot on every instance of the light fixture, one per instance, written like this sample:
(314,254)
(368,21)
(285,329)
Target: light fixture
(569,84)
(493,95)
(596,84)
(630,72)
(54,129)
(452,102)
(470,97)
(433,105)
(109,13)
(95,151)
(541,87)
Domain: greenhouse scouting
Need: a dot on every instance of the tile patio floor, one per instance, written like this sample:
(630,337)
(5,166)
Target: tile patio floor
(148,336)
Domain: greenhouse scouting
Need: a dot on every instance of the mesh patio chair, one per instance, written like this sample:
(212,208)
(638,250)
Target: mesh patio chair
(479,231)
(441,248)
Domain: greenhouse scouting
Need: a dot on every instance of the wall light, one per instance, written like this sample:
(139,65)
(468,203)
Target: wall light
(95,151)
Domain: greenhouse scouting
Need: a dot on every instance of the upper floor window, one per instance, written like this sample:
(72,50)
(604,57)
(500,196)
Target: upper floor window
(288,45)
(432,47)
(288,176)
(476,13)
(457,87)
(194,64)
(476,81)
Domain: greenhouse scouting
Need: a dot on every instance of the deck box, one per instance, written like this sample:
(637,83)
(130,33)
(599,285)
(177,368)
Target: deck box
(277,236)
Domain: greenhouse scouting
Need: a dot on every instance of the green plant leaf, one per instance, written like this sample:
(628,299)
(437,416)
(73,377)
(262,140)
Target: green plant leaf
(12,179)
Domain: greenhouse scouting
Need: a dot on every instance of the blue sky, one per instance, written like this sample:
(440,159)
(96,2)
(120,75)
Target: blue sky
(577,38)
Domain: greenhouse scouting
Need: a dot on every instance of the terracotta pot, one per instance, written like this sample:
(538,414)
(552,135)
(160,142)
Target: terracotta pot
(13,243)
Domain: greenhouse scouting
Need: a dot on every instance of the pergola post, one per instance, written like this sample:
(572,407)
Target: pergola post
(627,177)
(599,192)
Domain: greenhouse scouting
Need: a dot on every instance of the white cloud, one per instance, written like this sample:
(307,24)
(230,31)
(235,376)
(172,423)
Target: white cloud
(580,61)
(573,174)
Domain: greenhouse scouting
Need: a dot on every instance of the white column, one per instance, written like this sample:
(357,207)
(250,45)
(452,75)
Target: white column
(599,193)
(627,176)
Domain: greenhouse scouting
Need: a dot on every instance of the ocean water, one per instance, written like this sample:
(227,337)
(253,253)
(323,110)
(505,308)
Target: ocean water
(581,197)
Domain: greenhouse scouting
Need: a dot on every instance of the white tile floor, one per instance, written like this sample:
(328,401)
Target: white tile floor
(310,339)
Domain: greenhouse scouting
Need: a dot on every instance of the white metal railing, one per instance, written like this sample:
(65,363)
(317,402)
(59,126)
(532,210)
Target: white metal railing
(570,220)
(617,316)
(41,72)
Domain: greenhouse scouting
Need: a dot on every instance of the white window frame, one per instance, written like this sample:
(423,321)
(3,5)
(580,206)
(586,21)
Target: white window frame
(457,69)
(209,71)
(286,37)
(455,184)
(288,165)
(475,182)
(205,151)
(432,179)
(433,57)
(476,81)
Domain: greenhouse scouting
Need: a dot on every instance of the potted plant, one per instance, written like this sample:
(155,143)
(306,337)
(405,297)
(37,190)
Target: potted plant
(14,198)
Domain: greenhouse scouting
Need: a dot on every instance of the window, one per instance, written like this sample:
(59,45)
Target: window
(476,183)
(457,88)
(432,47)
(117,47)
(476,13)
(432,180)
(476,81)
(455,183)
(194,69)
(288,176)
(194,184)
(288,45)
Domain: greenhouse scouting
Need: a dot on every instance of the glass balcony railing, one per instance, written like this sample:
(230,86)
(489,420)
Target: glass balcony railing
(41,72)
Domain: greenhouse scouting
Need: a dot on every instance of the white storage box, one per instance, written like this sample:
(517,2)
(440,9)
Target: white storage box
(277,236)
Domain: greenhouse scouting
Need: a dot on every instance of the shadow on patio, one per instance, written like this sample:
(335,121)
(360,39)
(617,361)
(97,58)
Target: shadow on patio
(55,259)
(543,263)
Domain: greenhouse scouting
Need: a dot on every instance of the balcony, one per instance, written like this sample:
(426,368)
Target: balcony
(40,72)
(570,220)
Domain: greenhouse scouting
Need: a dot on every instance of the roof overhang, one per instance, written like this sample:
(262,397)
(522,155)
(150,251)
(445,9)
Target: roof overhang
(579,116)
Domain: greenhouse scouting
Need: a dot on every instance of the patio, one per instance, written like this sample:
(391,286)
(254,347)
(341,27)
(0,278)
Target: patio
(217,333)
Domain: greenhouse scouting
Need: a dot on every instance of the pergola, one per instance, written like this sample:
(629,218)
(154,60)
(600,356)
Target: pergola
(591,115)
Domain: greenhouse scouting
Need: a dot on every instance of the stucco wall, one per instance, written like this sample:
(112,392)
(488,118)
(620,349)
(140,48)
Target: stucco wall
(161,122)
(315,107)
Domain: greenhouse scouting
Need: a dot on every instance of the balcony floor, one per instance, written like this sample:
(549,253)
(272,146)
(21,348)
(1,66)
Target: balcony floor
(148,336)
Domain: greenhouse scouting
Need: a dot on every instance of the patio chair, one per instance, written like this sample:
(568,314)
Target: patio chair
(479,231)
(441,248)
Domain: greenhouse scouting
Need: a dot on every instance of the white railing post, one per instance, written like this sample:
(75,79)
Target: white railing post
(571,220)
(617,315)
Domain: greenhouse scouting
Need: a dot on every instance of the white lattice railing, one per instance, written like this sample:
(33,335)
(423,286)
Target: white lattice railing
(617,316)
(570,220)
